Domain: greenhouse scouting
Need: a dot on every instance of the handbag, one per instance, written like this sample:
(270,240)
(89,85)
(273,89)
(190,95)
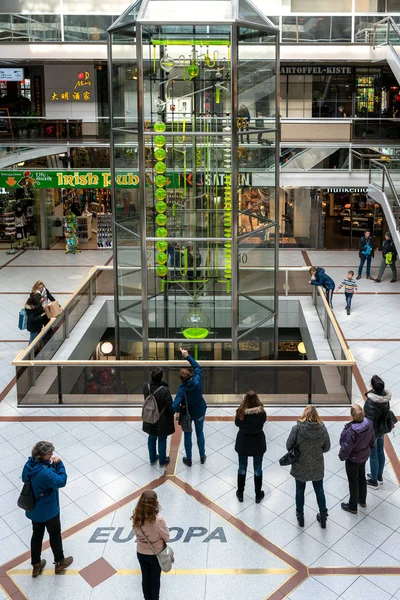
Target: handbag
(23,319)
(390,421)
(52,309)
(165,558)
(389,258)
(184,419)
(293,456)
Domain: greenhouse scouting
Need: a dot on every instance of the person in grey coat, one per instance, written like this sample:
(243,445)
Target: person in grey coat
(312,439)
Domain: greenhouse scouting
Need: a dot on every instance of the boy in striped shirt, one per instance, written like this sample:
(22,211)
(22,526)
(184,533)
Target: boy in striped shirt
(350,286)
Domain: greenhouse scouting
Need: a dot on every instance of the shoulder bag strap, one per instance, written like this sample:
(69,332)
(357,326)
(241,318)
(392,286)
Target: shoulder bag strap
(187,407)
(148,541)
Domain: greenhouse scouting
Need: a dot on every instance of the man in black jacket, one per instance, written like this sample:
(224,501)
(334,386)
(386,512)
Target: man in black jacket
(158,432)
(366,246)
(389,257)
(376,409)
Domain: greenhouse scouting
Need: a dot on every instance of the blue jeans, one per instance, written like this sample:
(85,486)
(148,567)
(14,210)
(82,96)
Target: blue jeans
(319,492)
(199,426)
(349,298)
(377,458)
(32,336)
(362,261)
(257,465)
(162,448)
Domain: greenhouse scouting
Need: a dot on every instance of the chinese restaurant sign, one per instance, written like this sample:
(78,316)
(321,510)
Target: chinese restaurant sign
(93,179)
(76,94)
(70,83)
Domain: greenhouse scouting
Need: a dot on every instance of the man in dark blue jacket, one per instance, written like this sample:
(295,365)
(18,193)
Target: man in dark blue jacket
(190,391)
(319,277)
(366,247)
(47,474)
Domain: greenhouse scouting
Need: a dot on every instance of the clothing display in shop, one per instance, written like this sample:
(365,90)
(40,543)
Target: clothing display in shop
(70,233)
(104,230)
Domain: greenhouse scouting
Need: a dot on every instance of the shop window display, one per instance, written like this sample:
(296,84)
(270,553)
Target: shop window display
(18,220)
(91,209)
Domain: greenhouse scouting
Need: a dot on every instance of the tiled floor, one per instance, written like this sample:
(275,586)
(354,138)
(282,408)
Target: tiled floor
(223,548)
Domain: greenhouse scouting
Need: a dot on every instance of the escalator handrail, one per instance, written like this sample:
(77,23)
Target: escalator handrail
(381,165)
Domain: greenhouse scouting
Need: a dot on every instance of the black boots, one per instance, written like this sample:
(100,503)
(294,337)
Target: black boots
(257,487)
(321,518)
(300,518)
(241,480)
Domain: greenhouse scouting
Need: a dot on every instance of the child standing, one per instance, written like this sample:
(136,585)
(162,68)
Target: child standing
(350,286)
(319,277)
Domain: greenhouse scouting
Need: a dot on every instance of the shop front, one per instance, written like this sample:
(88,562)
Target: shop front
(60,209)
(336,91)
(330,218)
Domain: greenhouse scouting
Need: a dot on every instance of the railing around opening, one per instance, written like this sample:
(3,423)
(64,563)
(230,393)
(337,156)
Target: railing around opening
(43,380)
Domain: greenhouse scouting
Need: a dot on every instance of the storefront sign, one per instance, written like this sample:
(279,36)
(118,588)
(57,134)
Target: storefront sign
(11,74)
(70,84)
(347,190)
(65,179)
(316,70)
(98,179)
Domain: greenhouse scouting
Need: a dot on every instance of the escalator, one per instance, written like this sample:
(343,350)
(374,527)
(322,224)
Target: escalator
(25,154)
(384,188)
(305,159)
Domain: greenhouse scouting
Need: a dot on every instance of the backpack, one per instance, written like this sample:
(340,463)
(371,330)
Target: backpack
(150,411)
(367,250)
(27,499)
(389,258)
(23,319)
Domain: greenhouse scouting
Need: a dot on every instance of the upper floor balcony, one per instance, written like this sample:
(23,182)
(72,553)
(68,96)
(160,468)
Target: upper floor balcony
(40,130)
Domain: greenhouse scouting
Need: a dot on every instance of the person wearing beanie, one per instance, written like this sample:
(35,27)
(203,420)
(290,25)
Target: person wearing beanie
(389,257)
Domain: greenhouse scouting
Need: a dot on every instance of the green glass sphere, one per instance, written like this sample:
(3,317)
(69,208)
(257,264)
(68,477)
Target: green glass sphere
(161,232)
(161,258)
(160,153)
(162,270)
(160,167)
(159,127)
(193,71)
(160,140)
(161,206)
(161,245)
(160,195)
(160,181)
(161,220)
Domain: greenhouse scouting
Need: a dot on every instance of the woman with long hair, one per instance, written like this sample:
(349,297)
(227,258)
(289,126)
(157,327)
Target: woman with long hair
(40,288)
(151,533)
(37,318)
(312,439)
(250,441)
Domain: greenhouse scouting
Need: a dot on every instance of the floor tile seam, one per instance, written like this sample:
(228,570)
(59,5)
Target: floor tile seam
(77,527)
(20,253)
(238,523)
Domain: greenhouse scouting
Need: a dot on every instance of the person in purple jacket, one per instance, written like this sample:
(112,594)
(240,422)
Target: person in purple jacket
(356,441)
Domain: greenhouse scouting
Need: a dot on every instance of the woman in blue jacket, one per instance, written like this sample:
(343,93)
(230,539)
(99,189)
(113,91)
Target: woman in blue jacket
(319,277)
(190,391)
(47,474)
